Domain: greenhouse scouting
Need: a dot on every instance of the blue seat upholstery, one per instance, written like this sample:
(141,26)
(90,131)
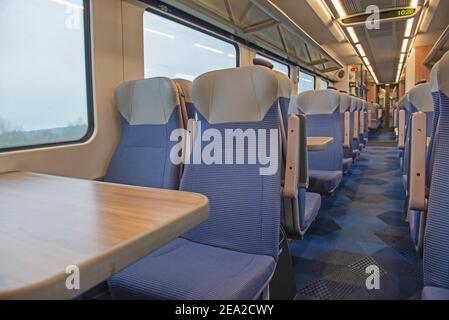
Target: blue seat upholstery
(149,112)
(187,270)
(435,120)
(433,293)
(436,245)
(233,254)
(312,207)
(322,111)
(324,181)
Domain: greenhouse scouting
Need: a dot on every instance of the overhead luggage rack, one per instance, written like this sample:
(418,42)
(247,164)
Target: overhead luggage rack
(263,23)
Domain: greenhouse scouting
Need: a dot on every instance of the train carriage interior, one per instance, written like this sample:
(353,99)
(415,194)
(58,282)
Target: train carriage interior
(224,150)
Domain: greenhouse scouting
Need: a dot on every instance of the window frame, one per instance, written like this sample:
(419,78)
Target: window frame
(194,24)
(89,92)
(308,73)
(263,55)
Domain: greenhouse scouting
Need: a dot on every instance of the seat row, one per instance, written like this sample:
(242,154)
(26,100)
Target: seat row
(233,255)
(423,137)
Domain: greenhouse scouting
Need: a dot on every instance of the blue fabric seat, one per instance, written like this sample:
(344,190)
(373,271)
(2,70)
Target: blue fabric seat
(323,117)
(233,254)
(436,245)
(313,205)
(190,271)
(434,293)
(149,112)
(321,181)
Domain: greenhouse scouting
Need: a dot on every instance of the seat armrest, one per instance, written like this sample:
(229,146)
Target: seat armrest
(347,132)
(418,147)
(362,123)
(290,189)
(355,135)
(401,135)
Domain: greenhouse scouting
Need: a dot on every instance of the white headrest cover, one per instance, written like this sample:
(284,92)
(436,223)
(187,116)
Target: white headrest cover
(443,72)
(359,104)
(421,98)
(186,87)
(285,86)
(243,94)
(402,101)
(149,101)
(345,102)
(434,78)
(316,102)
(353,104)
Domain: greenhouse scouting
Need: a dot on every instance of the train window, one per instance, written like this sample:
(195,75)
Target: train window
(306,82)
(176,51)
(278,66)
(45,89)
(324,84)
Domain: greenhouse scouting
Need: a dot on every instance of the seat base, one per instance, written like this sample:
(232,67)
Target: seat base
(434,293)
(186,270)
(324,182)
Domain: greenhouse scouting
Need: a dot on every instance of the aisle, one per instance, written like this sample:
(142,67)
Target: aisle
(360,225)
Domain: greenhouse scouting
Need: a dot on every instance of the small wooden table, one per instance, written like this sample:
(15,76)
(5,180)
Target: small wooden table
(319,143)
(49,223)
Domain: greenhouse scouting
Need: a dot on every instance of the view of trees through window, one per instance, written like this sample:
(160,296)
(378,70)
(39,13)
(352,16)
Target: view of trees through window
(43,91)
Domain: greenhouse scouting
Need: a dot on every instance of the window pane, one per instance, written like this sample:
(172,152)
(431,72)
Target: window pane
(306,82)
(175,51)
(43,91)
(324,84)
(277,65)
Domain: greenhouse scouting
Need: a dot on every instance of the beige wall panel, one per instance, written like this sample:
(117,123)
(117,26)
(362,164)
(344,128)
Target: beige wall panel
(112,65)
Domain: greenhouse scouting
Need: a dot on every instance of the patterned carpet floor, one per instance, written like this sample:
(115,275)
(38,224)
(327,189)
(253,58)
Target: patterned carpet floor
(361,225)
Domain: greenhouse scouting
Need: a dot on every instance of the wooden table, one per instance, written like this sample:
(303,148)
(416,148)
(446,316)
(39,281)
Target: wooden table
(48,223)
(319,143)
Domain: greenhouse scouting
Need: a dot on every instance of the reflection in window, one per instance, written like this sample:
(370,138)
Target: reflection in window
(324,84)
(43,88)
(175,51)
(306,82)
(283,68)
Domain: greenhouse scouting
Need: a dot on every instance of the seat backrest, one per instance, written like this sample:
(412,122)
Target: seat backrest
(436,245)
(322,111)
(244,204)
(149,111)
